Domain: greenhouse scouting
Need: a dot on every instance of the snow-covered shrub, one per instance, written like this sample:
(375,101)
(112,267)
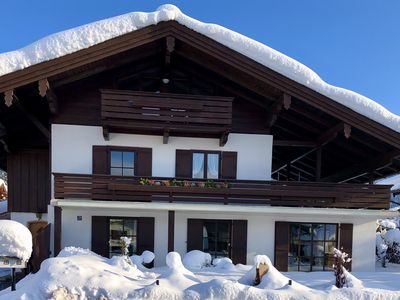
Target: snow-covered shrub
(15,240)
(143,261)
(125,243)
(388,241)
(340,271)
(196,259)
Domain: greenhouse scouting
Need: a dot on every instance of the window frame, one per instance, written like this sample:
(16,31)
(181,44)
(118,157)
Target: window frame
(136,219)
(206,152)
(134,150)
(311,242)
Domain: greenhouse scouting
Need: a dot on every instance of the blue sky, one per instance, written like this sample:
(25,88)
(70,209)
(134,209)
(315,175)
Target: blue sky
(353,44)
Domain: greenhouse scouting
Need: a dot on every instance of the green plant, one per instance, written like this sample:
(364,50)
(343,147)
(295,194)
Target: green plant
(210,184)
(177,182)
(144,181)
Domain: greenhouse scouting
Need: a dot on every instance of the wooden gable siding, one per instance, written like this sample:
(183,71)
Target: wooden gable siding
(29,181)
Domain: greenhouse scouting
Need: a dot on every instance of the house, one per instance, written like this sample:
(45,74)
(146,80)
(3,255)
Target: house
(184,135)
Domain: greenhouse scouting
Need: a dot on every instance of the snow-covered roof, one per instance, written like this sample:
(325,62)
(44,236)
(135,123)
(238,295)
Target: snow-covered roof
(72,40)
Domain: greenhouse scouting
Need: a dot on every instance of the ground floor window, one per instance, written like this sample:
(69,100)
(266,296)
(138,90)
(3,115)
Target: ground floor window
(311,246)
(217,238)
(122,227)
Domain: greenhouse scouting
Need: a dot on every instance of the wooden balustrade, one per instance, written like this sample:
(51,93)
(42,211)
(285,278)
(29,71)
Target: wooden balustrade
(274,193)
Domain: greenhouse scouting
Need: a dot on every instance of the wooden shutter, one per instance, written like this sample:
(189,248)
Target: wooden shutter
(239,241)
(195,234)
(143,162)
(145,235)
(228,165)
(346,241)
(100,235)
(100,160)
(281,246)
(183,164)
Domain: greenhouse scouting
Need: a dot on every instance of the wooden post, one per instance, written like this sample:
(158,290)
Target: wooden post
(318,164)
(13,279)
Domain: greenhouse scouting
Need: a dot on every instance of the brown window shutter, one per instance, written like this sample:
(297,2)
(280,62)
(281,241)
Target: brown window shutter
(346,241)
(100,160)
(183,164)
(195,234)
(239,241)
(228,165)
(281,246)
(145,235)
(100,235)
(143,162)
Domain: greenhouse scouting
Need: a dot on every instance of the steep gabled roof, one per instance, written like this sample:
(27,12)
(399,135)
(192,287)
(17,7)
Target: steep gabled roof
(73,40)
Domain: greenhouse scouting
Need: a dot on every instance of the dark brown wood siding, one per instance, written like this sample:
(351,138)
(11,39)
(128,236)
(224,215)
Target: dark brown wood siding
(239,241)
(346,241)
(228,165)
(281,245)
(194,234)
(183,164)
(145,235)
(100,235)
(29,181)
(57,229)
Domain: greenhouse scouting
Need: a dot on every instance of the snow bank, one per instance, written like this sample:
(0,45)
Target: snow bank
(196,259)
(82,37)
(15,240)
(224,263)
(145,258)
(73,251)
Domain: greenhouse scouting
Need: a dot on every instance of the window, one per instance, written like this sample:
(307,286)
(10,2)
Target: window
(311,246)
(205,165)
(122,227)
(122,163)
(217,238)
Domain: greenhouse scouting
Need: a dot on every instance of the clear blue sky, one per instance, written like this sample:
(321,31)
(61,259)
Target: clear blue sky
(350,43)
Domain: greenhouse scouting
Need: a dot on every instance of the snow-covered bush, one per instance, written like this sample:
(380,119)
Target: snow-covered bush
(143,261)
(15,240)
(196,259)
(388,241)
(339,270)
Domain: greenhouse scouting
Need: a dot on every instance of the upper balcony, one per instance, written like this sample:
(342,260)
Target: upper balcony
(274,193)
(161,113)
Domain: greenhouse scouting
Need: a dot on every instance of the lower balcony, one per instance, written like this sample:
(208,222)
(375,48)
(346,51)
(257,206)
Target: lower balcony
(274,193)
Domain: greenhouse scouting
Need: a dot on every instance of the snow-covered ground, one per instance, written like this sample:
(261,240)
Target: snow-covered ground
(81,274)
(72,40)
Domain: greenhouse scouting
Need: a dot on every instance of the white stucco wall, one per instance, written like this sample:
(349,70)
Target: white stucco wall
(260,235)
(72,150)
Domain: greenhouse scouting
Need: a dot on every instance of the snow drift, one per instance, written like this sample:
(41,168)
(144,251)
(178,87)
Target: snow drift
(72,40)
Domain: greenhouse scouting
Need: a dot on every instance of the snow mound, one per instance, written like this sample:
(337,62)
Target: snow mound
(15,240)
(392,236)
(196,259)
(72,40)
(224,263)
(177,277)
(146,258)
(352,281)
(73,251)
(123,263)
(273,279)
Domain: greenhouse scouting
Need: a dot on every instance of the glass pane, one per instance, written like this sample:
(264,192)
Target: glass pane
(318,249)
(305,232)
(305,249)
(130,227)
(305,264)
(116,171)
(116,159)
(329,261)
(128,159)
(127,172)
(331,232)
(293,264)
(198,165)
(329,247)
(294,231)
(318,232)
(294,248)
(318,264)
(116,230)
(213,166)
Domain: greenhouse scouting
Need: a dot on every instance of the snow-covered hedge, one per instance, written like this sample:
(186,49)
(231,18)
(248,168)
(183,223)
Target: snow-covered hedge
(388,241)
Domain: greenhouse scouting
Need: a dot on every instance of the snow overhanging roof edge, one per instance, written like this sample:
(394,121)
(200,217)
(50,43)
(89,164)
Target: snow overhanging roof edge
(82,37)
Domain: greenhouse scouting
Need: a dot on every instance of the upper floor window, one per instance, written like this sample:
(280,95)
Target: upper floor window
(205,165)
(122,163)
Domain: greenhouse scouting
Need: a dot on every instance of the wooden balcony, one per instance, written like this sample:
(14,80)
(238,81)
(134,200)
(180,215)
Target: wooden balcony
(274,193)
(165,114)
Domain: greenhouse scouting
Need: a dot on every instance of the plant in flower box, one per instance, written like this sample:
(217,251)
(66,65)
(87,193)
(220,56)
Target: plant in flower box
(201,184)
(186,183)
(144,181)
(210,184)
(166,183)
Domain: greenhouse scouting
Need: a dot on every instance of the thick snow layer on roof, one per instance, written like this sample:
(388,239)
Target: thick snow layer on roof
(82,37)
(15,240)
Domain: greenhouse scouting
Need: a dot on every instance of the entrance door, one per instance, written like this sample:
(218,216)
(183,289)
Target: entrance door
(217,238)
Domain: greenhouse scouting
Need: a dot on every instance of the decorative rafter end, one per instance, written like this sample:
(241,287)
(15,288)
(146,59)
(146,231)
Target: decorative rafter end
(347,131)
(43,86)
(8,97)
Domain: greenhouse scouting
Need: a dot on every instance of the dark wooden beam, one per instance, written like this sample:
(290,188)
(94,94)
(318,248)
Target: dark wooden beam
(106,133)
(224,139)
(287,101)
(165,136)
(361,169)
(273,113)
(8,97)
(318,164)
(32,118)
(46,91)
(294,143)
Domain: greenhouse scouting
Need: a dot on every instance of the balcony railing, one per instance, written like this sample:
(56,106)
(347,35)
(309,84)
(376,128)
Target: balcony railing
(162,113)
(274,193)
